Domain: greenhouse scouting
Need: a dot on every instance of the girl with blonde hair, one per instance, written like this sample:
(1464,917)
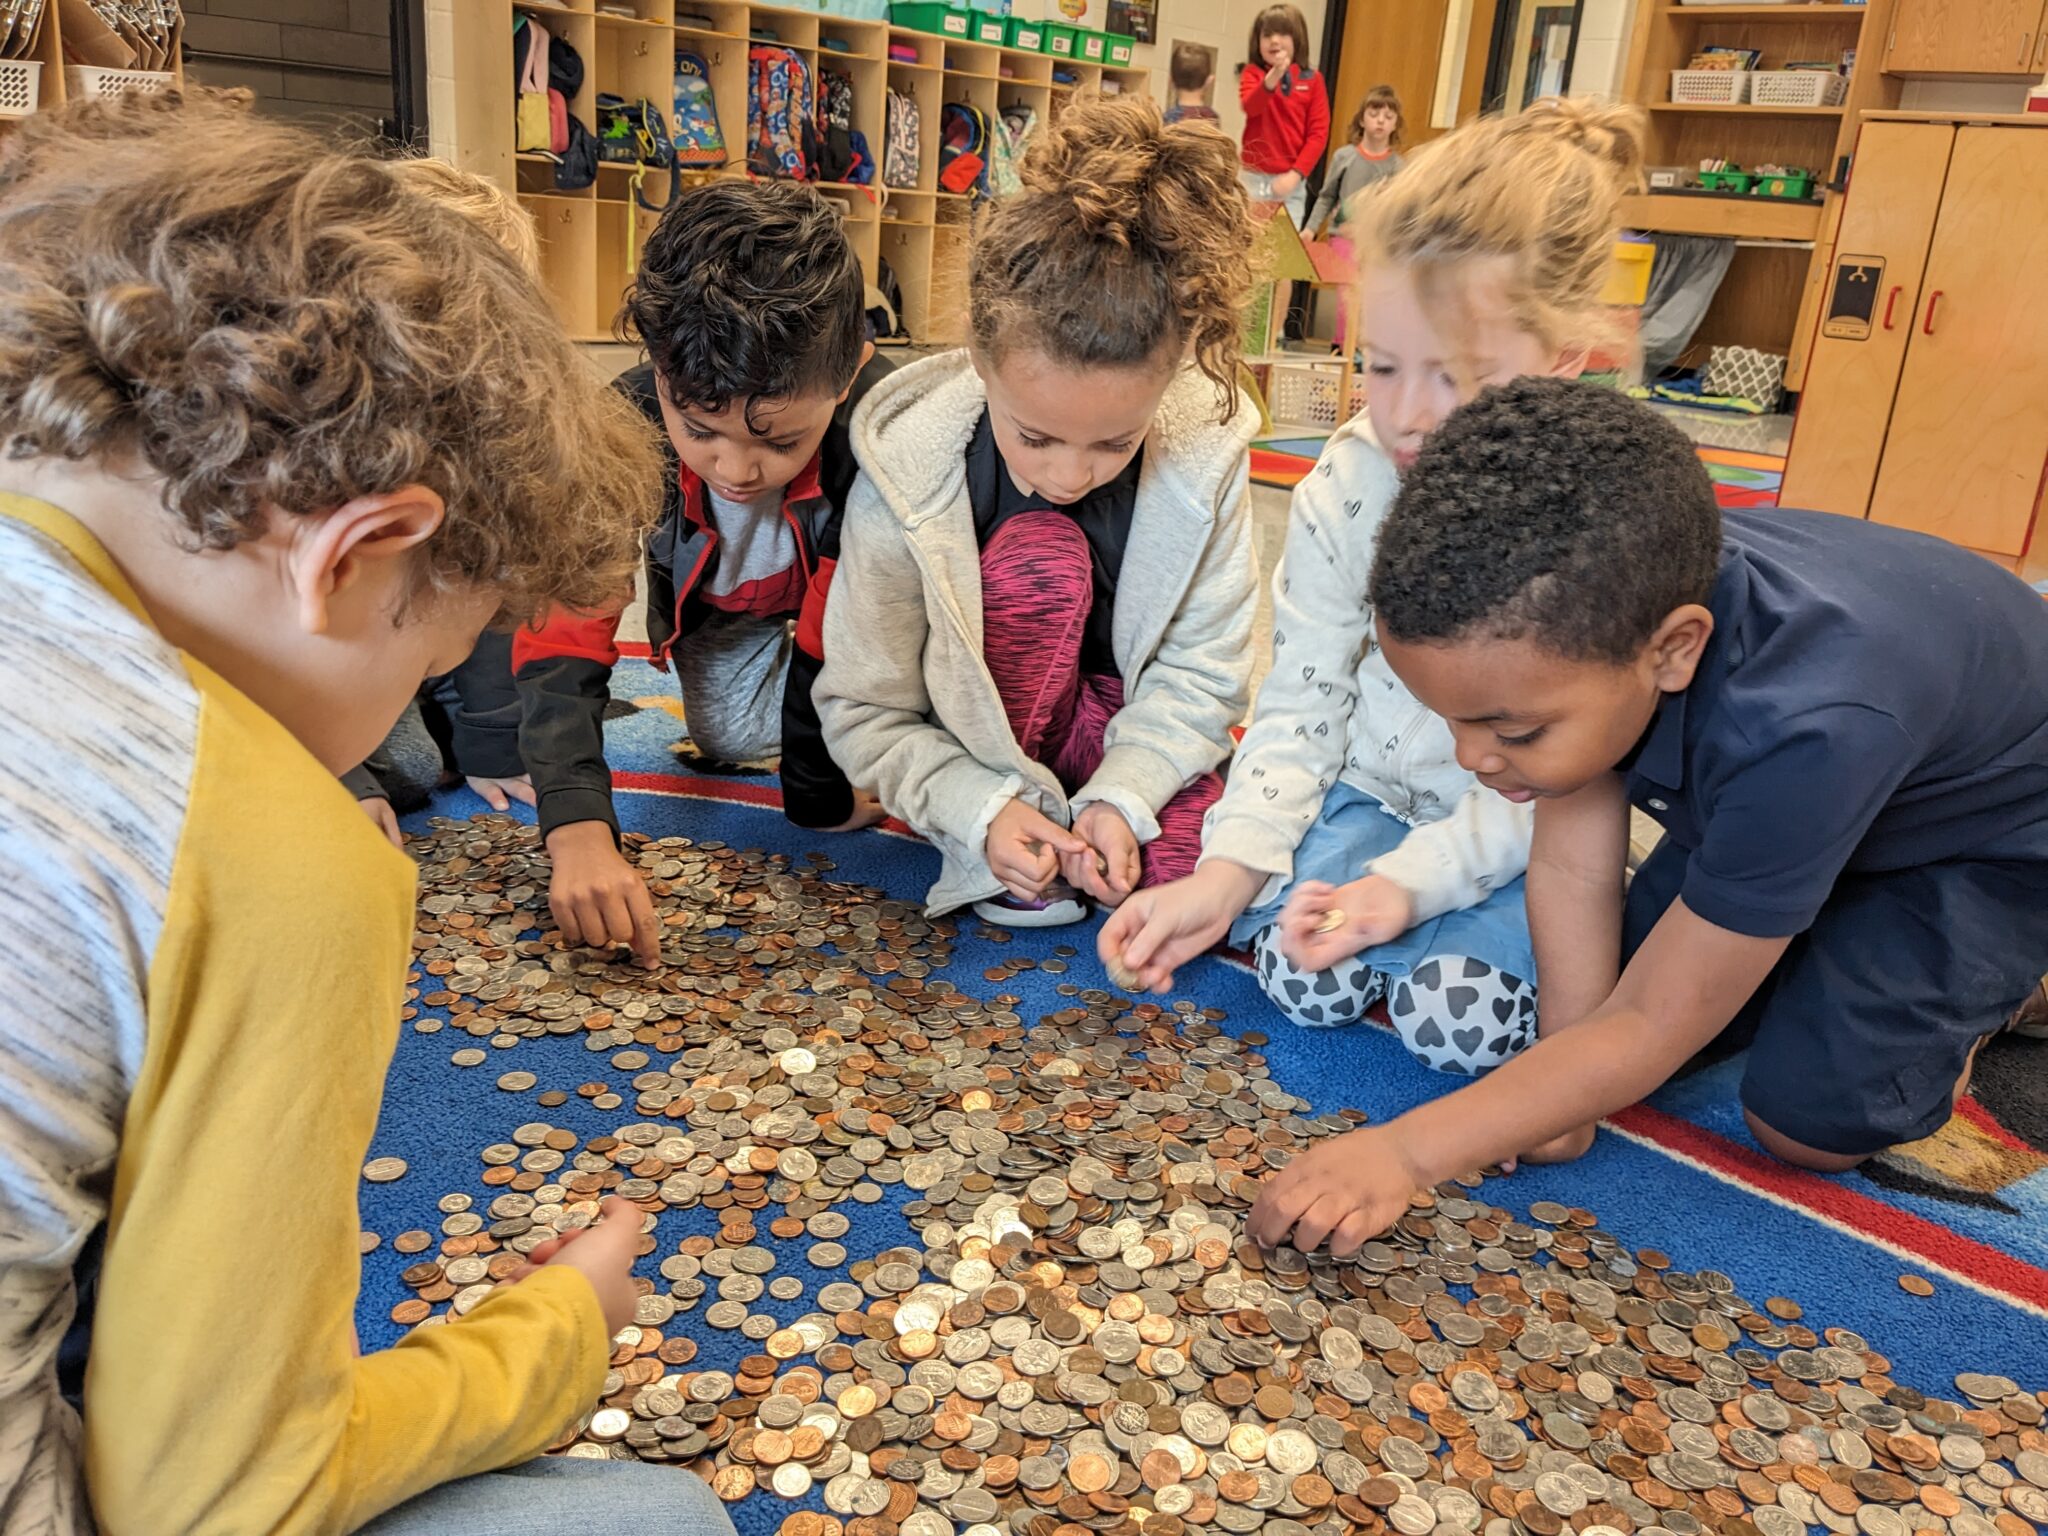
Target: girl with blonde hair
(1351,852)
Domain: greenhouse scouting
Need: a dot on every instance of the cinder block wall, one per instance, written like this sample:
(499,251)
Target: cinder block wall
(325,60)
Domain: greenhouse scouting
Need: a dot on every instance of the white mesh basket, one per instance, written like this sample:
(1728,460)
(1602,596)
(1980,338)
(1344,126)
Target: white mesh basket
(1796,88)
(20,85)
(1710,87)
(83,80)
(1306,394)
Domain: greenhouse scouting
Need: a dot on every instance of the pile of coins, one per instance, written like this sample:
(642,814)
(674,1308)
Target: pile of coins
(1083,1339)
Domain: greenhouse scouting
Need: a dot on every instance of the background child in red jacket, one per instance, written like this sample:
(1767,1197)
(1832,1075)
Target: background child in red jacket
(1286,111)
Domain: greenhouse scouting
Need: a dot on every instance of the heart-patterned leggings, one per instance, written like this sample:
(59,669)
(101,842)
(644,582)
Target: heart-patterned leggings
(1454,1013)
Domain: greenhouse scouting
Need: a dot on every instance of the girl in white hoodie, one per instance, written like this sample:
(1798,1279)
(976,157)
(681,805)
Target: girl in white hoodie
(1038,635)
(1351,851)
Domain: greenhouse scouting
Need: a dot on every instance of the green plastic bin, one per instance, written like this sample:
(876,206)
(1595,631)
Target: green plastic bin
(1061,40)
(1091,47)
(1727,181)
(1028,35)
(930,16)
(1121,50)
(991,29)
(1799,186)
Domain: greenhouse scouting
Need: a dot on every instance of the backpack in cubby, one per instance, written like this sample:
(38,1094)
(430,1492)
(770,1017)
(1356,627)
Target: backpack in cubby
(782,140)
(900,151)
(835,125)
(700,143)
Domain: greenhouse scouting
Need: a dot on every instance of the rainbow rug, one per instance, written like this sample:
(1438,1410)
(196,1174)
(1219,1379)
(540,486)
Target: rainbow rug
(1740,479)
(1964,1209)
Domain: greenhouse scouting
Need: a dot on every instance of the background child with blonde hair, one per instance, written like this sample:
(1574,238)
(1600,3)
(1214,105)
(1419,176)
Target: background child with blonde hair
(271,458)
(1038,637)
(472,713)
(1351,851)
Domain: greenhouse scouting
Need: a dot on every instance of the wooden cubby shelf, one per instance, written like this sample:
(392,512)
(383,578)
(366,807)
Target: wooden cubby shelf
(591,237)
(1768,297)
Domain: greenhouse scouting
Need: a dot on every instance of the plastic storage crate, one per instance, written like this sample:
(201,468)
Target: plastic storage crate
(81,80)
(1785,186)
(1316,395)
(1796,88)
(990,29)
(1028,35)
(21,83)
(1061,40)
(1710,87)
(939,19)
(1091,47)
(1727,181)
(1122,50)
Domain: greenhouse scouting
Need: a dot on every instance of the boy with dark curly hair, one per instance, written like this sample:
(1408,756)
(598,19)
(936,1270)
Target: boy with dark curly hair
(749,301)
(1842,727)
(268,458)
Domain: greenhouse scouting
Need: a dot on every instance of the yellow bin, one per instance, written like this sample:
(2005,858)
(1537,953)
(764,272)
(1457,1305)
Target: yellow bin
(1628,278)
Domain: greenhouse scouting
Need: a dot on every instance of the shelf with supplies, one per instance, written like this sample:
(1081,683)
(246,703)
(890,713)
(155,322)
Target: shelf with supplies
(592,235)
(70,50)
(1768,298)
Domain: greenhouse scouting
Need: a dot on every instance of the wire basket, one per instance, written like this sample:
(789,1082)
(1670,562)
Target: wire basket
(1318,396)
(1710,87)
(84,80)
(20,84)
(1796,88)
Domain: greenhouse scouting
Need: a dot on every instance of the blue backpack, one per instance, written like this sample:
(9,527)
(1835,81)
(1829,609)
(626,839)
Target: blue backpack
(700,143)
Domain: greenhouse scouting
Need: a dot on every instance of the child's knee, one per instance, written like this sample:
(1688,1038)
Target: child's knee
(1315,999)
(1458,1014)
(1797,1153)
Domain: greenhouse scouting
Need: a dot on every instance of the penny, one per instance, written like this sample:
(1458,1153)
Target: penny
(384,1170)
(1916,1285)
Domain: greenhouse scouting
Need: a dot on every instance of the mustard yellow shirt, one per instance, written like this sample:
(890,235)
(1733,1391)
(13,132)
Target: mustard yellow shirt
(208,944)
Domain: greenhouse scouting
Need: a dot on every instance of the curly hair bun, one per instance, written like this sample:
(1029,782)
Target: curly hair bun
(1130,239)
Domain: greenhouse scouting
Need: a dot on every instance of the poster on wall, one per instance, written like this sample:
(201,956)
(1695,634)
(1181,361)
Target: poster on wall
(1137,19)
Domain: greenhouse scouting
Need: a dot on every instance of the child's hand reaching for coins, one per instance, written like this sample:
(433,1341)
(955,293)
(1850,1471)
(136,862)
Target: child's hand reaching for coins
(1323,924)
(1346,1191)
(603,1252)
(1109,868)
(1025,847)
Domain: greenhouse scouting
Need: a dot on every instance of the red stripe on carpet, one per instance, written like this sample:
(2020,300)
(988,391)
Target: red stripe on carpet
(1937,1245)
(639,650)
(736,791)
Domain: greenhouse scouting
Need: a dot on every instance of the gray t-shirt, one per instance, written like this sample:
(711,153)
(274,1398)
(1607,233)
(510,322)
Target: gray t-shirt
(1351,172)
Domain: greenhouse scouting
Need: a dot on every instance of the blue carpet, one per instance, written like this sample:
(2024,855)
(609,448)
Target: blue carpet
(1648,1189)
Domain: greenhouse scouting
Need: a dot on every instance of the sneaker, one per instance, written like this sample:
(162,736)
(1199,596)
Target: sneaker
(2032,1018)
(1061,904)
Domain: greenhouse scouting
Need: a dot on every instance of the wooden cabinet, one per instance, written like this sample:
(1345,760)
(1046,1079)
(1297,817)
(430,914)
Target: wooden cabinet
(1967,37)
(1926,403)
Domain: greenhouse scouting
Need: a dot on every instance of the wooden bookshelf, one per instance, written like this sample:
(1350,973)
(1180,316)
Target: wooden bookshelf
(1773,283)
(590,238)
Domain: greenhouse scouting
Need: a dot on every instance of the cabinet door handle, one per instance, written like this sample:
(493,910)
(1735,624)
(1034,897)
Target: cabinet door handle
(1891,303)
(1927,321)
(2025,38)
(2041,49)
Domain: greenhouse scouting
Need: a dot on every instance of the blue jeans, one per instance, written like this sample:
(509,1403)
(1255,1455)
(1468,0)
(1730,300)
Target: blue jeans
(1354,827)
(563,1493)
(1258,186)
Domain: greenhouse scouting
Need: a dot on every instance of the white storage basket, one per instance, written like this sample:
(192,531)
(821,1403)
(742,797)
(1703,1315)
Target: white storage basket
(1796,88)
(1315,395)
(83,80)
(20,86)
(1710,87)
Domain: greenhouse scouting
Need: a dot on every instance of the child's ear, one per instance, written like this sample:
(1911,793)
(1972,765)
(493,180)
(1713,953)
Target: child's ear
(867,353)
(330,551)
(1571,362)
(1676,646)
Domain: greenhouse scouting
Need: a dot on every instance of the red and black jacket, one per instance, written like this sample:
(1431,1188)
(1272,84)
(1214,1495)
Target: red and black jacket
(564,669)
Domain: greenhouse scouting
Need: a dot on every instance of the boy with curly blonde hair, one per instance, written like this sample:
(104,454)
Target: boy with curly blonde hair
(271,452)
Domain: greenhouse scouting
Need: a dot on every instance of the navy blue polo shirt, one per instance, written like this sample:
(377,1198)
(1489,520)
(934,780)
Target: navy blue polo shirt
(1871,700)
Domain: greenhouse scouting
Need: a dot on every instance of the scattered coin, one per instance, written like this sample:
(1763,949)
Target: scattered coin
(1916,1285)
(1080,1336)
(384,1170)
(1331,920)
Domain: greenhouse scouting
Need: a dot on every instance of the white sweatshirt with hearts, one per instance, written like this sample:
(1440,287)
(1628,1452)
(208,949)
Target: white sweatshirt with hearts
(1331,708)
